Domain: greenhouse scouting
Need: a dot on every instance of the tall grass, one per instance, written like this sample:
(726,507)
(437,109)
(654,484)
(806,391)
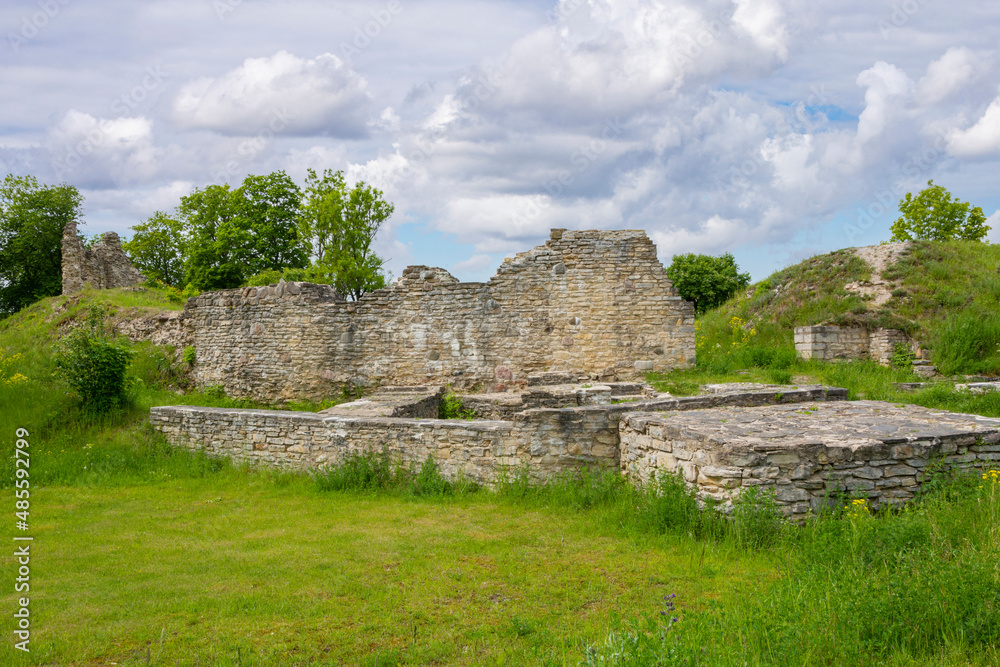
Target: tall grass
(968,342)
(376,472)
(915,586)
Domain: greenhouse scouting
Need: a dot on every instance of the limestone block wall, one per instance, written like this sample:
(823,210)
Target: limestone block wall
(306,440)
(833,342)
(882,344)
(544,441)
(808,455)
(596,302)
(104,266)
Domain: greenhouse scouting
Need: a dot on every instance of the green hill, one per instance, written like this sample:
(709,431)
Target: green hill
(945,295)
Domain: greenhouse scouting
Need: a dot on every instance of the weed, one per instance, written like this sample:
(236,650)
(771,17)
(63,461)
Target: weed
(451,408)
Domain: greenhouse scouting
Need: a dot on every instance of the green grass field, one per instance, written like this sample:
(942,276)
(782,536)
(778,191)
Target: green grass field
(241,568)
(147,555)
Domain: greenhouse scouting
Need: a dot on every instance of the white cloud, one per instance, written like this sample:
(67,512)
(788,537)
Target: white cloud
(983,138)
(993,236)
(283,94)
(887,86)
(166,197)
(946,75)
(764,21)
(92,151)
(477,265)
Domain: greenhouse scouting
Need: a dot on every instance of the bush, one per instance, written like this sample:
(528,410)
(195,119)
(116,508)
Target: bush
(94,364)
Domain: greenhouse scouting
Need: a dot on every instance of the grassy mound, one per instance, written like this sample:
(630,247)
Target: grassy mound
(946,295)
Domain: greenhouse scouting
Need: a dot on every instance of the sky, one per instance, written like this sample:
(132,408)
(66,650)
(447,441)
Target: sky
(771,129)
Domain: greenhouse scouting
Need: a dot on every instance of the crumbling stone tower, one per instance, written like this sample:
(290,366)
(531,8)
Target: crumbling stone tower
(104,266)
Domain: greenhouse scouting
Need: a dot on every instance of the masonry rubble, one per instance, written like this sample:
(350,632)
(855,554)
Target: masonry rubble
(102,267)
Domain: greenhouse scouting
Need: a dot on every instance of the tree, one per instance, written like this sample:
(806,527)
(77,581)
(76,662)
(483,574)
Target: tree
(707,281)
(158,248)
(234,234)
(32,218)
(341,225)
(933,216)
(264,230)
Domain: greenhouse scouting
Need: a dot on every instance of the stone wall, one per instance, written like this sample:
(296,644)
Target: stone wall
(104,266)
(809,455)
(597,302)
(543,441)
(163,328)
(306,440)
(833,342)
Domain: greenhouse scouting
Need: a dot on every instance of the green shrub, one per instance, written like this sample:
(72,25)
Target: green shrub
(902,356)
(451,408)
(428,481)
(94,364)
(189,355)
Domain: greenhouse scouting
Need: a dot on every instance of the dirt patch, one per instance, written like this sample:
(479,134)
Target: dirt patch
(878,257)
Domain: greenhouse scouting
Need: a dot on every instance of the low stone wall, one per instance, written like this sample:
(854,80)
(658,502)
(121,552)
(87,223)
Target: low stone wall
(808,454)
(544,441)
(306,440)
(833,342)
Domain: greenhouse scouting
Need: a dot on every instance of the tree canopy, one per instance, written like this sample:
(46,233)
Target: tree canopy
(705,280)
(158,248)
(341,224)
(932,215)
(266,229)
(32,218)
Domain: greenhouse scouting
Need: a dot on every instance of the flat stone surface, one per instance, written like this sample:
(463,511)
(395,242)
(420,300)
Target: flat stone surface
(401,402)
(833,424)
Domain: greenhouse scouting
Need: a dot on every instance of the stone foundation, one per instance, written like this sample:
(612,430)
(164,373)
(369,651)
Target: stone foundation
(832,342)
(544,441)
(810,454)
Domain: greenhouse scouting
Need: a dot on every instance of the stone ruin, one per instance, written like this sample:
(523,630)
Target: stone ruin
(835,343)
(550,354)
(592,302)
(104,266)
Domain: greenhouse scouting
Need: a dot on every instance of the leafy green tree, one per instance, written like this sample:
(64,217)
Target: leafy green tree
(705,280)
(32,218)
(158,248)
(341,224)
(234,234)
(322,213)
(933,216)
(265,232)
